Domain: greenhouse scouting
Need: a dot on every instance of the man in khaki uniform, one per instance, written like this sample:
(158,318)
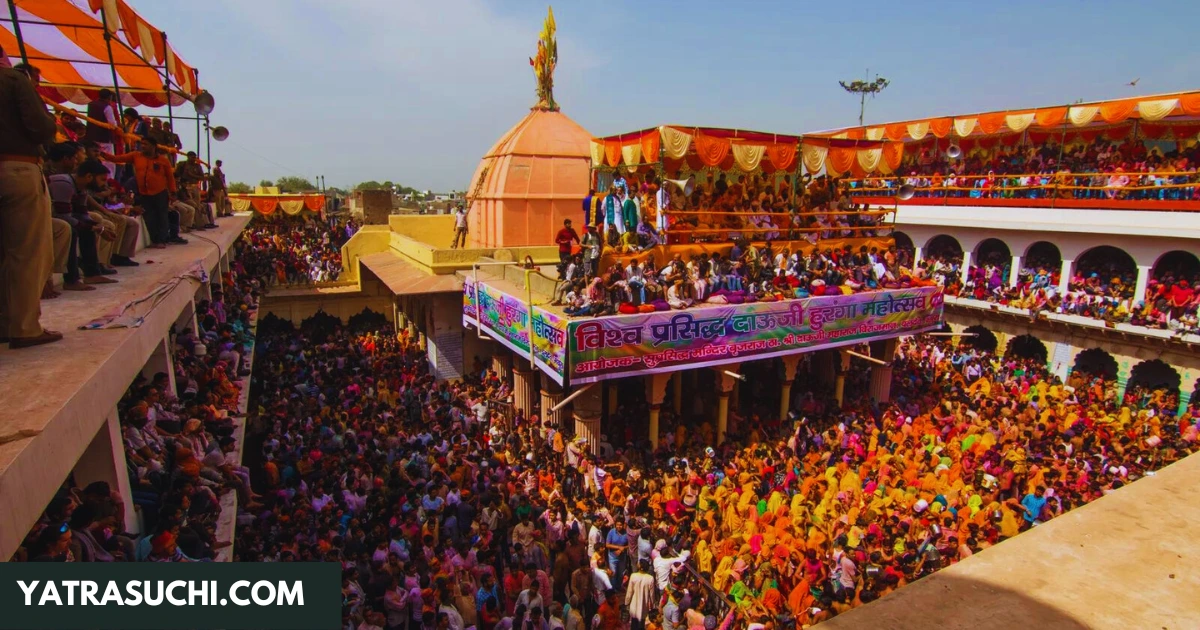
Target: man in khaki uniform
(26,232)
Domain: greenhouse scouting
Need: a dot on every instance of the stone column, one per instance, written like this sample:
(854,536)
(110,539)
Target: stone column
(1143,279)
(1015,272)
(965,272)
(525,389)
(1064,276)
(588,427)
(104,460)
(881,375)
(916,256)
(656,392)
(612,396)
(790,362)
(839,384)
(725,382)
(551,395)
(825,366)
(502,364)
(677,391)
(161,361)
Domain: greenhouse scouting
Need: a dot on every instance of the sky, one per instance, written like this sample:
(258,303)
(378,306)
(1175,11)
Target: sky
(416,91)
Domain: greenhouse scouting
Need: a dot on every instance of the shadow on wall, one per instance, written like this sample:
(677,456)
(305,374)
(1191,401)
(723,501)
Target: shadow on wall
(951,602)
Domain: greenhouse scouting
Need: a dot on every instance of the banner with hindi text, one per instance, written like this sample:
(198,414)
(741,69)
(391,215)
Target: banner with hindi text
(506,318)
(612,347)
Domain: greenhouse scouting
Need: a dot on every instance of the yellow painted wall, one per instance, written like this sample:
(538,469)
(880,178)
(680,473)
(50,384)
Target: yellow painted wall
(370,239)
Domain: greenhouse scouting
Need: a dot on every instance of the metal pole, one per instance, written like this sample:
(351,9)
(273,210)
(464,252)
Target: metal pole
(197,116)
(12,10)
(111,64)
(207,142)
(167,86)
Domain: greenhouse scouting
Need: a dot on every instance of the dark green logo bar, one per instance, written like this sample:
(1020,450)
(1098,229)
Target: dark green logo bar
(63,596)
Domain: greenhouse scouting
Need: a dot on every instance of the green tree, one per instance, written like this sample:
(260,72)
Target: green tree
(266,183)
(369,185)
(293,184)
(240,188)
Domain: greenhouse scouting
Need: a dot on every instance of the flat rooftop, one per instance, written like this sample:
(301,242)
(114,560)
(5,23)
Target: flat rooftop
(57,396)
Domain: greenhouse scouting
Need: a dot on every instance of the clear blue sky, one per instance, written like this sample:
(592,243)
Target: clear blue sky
(416,91)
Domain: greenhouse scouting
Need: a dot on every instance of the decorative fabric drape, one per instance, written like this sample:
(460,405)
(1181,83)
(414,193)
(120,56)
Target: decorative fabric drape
(316,203)
(1080,115)
(632,153)
(1050,116)
(1118,133)
(650,146)
(917,130)
(1185,132)
(597,153)
(840,160)
(964,126)
(868,159)
(1157,110)
(292,206)
(813,156)
(612,152)
(266,205)
(712,150)
(896,133)
(893,153)
(1189,103)
(675,142)
(782,155)
(1153,132)
(940,127)
(747,156)
(1116,111)
(875,133)
(990,123)
(239,205)
(1019,122)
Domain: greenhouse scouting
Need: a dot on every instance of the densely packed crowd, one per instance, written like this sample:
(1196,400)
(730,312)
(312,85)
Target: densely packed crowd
(178,433)
(297,249)
(1102,169)
(448,509)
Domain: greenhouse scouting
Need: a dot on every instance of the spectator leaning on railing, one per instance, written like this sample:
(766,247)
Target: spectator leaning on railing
(26,230)
(156,186)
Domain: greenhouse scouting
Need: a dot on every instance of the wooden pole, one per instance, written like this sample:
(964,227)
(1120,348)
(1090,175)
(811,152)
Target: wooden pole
(111,64)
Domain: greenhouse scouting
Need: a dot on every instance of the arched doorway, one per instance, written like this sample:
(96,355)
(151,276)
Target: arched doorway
(945,247)
(1027,347)
(980,338)
(1152,375)
(993,251)
(1100,267)
(1096,362)
(904,242)
(1176,265)
(1043,254)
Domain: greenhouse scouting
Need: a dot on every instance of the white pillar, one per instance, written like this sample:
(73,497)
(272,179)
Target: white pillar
(160,361)
(1015,272)
(551,395)
(502,364)
(790,362)
(656,392)
(104,460)
(525,390)
(588,427)
(1143,279)
(1064,278)
(916,255)
(965,272)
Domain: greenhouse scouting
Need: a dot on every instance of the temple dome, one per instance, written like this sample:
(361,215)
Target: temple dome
(535,176)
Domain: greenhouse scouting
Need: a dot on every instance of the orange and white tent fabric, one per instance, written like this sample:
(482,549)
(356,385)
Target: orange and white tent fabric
(266,204)
(700,146)
(65,40)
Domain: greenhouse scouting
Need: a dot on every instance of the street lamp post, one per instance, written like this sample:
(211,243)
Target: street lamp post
(863,88)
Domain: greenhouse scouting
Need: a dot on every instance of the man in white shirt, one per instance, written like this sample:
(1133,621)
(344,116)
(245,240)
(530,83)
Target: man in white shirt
(460,227)
(530,597)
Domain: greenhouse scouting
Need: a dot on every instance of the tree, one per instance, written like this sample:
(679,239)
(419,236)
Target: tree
(266,183)
(369,185)
(293,184)
(240,188)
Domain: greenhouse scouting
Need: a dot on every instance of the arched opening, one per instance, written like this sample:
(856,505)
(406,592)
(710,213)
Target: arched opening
(367,320)
(904,242)
(980,338)
(1027,347)
(1095,362)
(1151,376)
(1105,270)
(1043,254)
(993,251)
(1176,265)
(944,247)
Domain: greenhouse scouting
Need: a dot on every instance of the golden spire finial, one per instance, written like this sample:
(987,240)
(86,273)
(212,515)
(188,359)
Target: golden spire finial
(545,62)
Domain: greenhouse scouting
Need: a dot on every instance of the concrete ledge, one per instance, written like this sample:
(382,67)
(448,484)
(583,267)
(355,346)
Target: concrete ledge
(56,397)
(227,521)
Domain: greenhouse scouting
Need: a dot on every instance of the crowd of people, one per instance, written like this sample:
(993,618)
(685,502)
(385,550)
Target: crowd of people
(297,249)
(1099,289)
(1102,169)
(181,454)
(73,200)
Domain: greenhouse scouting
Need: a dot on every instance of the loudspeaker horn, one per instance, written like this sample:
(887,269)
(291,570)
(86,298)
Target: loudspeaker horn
(954,151)
(686,185)
(204,103)
(906,192)
(220,133)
